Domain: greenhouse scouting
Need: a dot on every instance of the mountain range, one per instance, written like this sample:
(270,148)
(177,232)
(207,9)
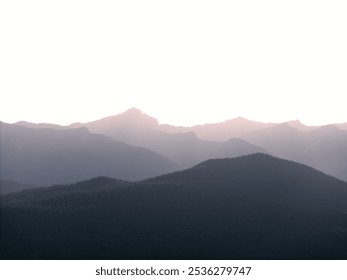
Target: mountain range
(249,207)
(183,147)
(134,146)
(322,147)
(50,156)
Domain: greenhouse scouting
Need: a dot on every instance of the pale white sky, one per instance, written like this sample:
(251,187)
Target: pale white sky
(184,62)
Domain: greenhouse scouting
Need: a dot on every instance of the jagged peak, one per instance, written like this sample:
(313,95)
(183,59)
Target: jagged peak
(135,114)
(133,111)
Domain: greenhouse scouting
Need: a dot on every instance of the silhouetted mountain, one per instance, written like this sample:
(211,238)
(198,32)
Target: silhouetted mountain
(135,128)
(223,131)
(300,126)
(49,156)
(324,148)
(132,119)
(40,125)
(187,146)
(251,207)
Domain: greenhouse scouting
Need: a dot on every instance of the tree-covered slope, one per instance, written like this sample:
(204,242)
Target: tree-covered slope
(251,207)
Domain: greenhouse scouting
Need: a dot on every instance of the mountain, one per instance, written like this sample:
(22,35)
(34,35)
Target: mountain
(300,126)
(250,207)
(186,149)
(220,132)
(342,126)
(324,148)
(132,119)
(50,156)
(7,187)
(40,125)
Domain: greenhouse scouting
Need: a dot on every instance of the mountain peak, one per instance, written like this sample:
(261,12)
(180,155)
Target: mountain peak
(294,122)
(238,120)
(133,111)
(300,126)
(135,116)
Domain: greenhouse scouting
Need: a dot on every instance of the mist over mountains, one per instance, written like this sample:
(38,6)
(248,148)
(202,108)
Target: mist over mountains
(324,148)
(233,190)
(49,156)
(134,146)
(134,120)
(181,145)
(126,147)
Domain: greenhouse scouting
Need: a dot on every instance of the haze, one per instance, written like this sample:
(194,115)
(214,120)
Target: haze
(185,62)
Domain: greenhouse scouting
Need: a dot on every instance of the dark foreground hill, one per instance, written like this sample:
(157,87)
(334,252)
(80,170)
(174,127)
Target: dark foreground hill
(251,207)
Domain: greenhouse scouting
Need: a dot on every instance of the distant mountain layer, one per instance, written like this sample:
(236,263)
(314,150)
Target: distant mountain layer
(184,148)
(223,131)
(250,207)
(134,120)
(50,156)
(324,148)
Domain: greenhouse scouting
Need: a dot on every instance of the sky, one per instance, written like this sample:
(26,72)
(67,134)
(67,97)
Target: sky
(184,62)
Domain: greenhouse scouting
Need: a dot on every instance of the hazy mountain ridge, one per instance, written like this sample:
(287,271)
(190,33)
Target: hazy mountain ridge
(220,132)
(300,126)
(250,207)
(50,156)
(184,148)
(324,148)
(41,125)
(134,120)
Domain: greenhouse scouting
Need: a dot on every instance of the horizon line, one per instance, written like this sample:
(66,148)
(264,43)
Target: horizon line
(171,124)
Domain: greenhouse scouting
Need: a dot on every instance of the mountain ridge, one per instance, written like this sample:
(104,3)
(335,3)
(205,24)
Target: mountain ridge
(250,207)
(46,156)
(322,147)
(179,128)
